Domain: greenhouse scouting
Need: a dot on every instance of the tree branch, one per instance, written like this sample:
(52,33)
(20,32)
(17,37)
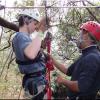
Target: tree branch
(90,12)
(8,24)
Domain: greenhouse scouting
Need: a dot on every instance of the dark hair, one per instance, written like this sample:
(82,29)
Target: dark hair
(23,19)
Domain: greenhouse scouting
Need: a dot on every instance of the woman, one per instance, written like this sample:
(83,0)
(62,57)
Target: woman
(29,56)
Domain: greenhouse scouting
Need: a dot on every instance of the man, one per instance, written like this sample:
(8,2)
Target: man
(29,56)
(85,72)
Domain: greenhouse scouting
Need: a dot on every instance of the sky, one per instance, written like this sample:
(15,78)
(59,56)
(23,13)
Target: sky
(7,2)
(10,2)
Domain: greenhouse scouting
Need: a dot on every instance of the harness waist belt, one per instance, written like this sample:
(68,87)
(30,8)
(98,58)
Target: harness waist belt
(32,75)
(27,62)
(35,74)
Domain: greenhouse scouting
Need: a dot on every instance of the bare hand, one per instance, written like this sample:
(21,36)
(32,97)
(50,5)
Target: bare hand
(59,79)
(43,24)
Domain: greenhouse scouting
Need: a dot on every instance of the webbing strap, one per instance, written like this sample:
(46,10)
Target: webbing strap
(28,62)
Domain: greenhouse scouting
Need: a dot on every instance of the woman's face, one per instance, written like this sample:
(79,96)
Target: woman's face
(32,26)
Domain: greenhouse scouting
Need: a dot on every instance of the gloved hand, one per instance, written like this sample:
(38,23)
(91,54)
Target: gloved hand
(40,34)
(35,34)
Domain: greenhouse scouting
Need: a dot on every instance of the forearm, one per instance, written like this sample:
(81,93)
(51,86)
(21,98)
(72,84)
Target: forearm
(61,67)
(33,48)
(72,85)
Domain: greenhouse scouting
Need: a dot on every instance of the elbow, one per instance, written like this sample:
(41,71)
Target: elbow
(30,52)
(30,55)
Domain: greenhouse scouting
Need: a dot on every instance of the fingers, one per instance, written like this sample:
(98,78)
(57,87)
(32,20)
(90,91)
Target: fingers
(59,79)
(44,24)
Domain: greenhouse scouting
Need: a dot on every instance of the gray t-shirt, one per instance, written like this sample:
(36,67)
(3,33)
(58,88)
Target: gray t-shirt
(20,42)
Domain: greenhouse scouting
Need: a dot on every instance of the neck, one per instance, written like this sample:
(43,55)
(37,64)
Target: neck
(24,29)
(88,46)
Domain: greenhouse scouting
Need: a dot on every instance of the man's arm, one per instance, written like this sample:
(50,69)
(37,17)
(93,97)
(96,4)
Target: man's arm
(61,67)
(72,85)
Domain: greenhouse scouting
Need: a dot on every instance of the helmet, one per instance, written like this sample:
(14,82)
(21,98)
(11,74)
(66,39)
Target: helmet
(31,13)
(93,28)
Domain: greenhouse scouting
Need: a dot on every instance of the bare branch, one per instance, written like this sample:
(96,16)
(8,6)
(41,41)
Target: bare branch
(5,63)
(8,24)
(90,12)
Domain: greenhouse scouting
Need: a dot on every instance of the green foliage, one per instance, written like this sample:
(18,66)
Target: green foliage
(60,92)
(68,29)
(10,79)
(24,3)
(63,46)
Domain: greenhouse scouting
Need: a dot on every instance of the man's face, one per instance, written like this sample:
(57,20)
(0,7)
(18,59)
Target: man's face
(82,39)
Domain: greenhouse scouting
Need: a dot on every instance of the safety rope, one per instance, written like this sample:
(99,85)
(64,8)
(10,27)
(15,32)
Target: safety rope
(49,64)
